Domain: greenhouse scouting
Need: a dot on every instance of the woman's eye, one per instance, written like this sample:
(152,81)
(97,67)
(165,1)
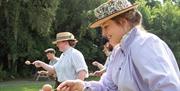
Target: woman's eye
(105,27)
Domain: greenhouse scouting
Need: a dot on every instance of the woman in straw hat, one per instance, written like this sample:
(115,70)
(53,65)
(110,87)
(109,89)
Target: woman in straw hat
(71,64)
(141,62)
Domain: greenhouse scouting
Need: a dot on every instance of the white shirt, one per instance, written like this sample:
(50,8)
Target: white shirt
(53,61)
(70,63)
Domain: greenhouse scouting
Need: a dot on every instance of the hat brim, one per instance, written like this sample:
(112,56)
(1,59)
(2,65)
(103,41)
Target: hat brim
(98,22)
(55,42)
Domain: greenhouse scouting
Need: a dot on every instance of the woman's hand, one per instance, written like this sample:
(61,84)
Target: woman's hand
(98,73)
(71,85)
(38,63)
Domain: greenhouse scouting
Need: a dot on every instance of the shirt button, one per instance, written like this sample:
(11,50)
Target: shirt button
(120,68)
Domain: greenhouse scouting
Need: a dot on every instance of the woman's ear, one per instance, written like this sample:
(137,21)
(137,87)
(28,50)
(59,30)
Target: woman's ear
(125,24)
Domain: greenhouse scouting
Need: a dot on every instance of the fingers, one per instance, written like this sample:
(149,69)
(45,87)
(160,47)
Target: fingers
(62,86)
(71,85)
(37,63)
(34,62)
(65,88)
(91,74)
(98,73)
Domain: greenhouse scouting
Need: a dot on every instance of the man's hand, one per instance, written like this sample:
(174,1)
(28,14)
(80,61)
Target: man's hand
(71,85)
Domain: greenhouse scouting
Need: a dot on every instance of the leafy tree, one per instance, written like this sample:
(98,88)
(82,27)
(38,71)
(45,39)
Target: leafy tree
(25,29)
(165,23)
(163,20)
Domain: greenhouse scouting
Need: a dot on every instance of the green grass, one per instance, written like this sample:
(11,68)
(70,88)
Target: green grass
(94,78)
(23,85)
(26,85)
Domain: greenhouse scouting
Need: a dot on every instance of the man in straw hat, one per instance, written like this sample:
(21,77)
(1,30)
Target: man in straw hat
(141,62)
(71,64)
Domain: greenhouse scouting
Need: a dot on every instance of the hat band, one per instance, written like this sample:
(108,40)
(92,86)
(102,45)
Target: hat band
(63,37)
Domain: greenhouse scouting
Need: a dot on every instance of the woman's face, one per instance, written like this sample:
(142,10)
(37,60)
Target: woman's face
(61,45)
(113,31)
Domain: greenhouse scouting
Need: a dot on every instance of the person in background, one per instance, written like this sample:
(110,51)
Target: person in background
(71,64)
(141,62)
(102,68)
(50,53)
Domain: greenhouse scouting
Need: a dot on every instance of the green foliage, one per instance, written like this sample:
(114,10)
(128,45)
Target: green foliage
(166,24)
(41,15)
(27,27)
(3,74)
(163,20)
(92,78)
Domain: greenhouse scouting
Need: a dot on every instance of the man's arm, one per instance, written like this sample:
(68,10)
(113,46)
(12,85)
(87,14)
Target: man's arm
(47,67)
(82,74)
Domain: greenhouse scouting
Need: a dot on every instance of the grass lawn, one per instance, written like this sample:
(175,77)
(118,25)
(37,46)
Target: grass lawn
(27,85)
(23,85)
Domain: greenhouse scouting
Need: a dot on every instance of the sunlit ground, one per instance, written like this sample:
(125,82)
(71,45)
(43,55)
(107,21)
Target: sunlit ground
(25,85)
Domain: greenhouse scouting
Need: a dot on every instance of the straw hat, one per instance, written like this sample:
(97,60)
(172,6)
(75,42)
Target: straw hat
(111,9)
(63,36)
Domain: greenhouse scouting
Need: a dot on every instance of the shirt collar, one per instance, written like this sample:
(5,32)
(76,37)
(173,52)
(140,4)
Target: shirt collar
(128,39)
(67,51)
(54,58)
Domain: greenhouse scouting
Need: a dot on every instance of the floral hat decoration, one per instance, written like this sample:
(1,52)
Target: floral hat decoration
(111,9)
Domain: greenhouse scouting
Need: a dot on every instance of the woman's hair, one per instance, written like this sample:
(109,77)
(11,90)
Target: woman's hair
(110,47)
(72,43)
(133,16)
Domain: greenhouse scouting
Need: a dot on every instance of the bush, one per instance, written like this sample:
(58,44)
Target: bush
(3,74)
